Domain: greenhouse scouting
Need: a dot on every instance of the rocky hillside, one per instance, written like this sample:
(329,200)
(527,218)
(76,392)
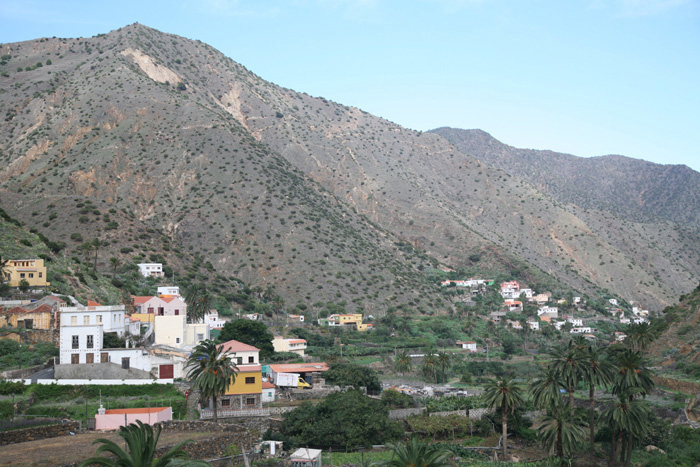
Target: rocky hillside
(628,188)
(161,145)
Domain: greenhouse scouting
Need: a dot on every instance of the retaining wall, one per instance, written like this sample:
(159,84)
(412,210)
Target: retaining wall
(38,432)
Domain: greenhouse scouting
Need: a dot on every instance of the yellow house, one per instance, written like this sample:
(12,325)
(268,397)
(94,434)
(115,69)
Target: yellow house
(246,390)
(350,319)
(31,270)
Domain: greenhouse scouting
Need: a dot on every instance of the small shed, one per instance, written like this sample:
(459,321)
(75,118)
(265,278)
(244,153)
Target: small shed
(115,418)
(305,457)
(269,392)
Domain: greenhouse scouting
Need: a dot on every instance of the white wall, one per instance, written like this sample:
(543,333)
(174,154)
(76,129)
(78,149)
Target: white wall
(66,343)
(170,330)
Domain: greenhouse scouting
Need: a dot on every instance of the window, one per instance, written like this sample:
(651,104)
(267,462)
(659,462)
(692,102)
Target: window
(250,380)
(200,337)
(41,274)
(99,319)
(161,311)
(31,275)
(250,401)
(75,342)
(177,312)
(251,359)
(150,309)
(225,402)
(86,320)
(239,360)
(177,340)
(90,342)
(21,275)
(73,320)
(125,363)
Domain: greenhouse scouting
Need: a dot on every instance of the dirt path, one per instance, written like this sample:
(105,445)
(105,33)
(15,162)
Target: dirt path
(65,450)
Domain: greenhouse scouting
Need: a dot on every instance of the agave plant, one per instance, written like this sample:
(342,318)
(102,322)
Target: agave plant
(141,443)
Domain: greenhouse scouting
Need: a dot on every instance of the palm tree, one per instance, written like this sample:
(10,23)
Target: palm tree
(633,377)
(546,394)
(640,336)
(141,442)
(597,371)
(415,453)
(506,395)
(565,360)
(443,361)
(626,416)
(114,262)
(198,303)
(403,363)
(211,371)
(561,428)
(430,365)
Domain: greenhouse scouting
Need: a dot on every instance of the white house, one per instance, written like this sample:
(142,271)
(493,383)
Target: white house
(111,318)
(534,325)
(212,319)
(169,290)
(575,321)
(269,392)
(550,311)
(613,302)
(151,269)
(468,345)
(174,331)
(582,330)
(296,345)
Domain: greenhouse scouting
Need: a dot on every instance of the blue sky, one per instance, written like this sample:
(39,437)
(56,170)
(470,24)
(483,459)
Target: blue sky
(587,77)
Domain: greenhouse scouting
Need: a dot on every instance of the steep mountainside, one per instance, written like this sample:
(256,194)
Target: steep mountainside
(680,341)
(176,145)
(630,188)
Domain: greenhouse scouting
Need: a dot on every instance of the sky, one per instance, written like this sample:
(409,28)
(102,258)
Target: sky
(585,77)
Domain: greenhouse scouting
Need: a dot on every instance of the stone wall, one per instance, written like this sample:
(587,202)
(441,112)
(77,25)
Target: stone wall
(402,414)
(686,387)
(39,432)
(244,432)
(24,372)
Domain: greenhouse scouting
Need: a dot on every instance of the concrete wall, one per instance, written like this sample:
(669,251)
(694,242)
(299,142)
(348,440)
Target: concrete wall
(170,330)
(107,382)
(99,371)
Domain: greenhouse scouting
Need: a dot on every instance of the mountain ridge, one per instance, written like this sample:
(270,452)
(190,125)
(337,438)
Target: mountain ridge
(322,201)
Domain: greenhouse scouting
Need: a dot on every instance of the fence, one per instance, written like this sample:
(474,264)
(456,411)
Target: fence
(205,413)
(474,414)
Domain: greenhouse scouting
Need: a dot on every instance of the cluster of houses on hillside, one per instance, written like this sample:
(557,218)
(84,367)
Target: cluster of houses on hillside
(514,297)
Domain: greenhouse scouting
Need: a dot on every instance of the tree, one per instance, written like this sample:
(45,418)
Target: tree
(211,371)
(546,389)
(633,376)
(415,453)
(343,420)
(141,442)
(626,416)
(566,360)
(4,273)
(350,374)
(24,285)
(505,395)
(597,371)
(249,332)
(443,361)
(640,336)
(198,303)
(115,263)
(561,428)
(403,363)
(429,366)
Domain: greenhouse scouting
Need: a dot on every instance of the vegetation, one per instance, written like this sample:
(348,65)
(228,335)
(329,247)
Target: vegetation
(344,420)
(345,374)
(254,333)
(416,453)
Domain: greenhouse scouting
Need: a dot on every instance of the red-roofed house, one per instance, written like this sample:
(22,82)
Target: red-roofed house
(158,306)
(296,345)
(306,370)
(468,345)
(246,390)
(269,392)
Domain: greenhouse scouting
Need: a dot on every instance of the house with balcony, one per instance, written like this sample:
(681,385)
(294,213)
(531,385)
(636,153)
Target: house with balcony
(295,345)
(151,269)
(31,270)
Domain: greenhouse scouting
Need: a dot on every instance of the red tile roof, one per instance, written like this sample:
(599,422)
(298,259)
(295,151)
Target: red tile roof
(299,367)
(235,346)
(132,411)
(140,300)
(92,303)
(268,385)
(39,309)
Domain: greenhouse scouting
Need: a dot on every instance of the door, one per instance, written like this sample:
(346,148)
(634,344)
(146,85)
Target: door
(75,358)
(167,371)
(90,358)
(104,357)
